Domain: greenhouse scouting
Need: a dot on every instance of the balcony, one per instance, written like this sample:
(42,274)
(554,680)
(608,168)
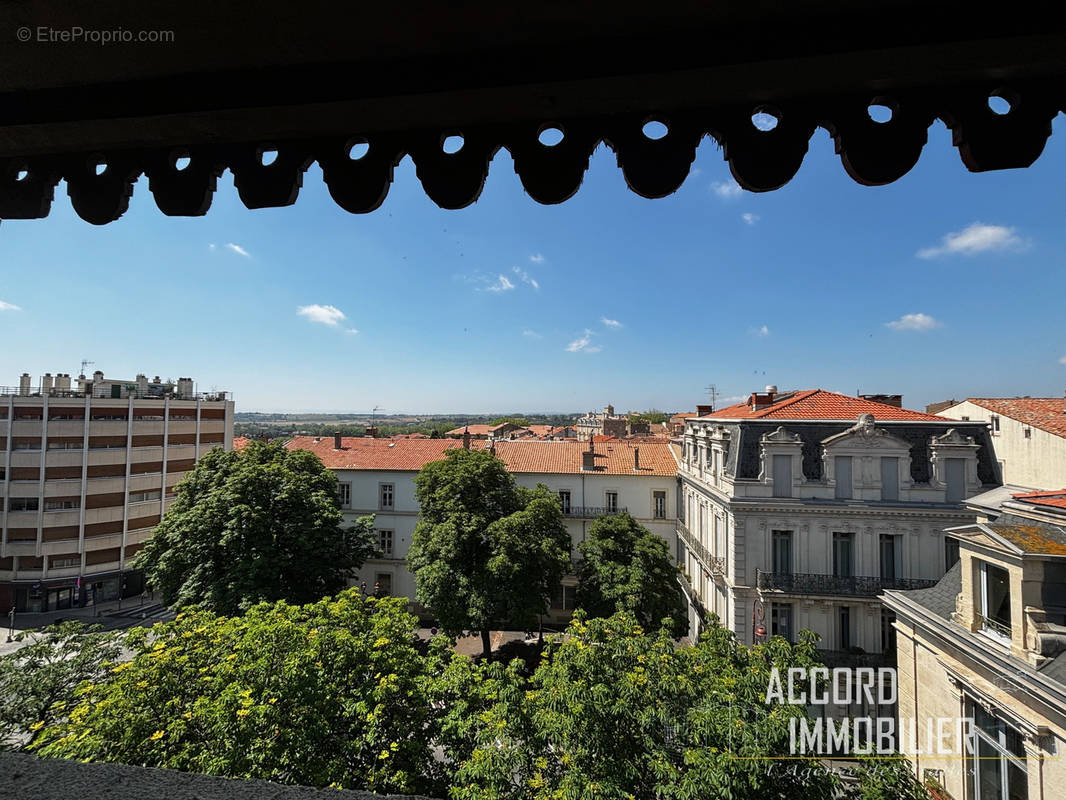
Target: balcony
(854,585)
(716,564)
(591,512)
(855,658)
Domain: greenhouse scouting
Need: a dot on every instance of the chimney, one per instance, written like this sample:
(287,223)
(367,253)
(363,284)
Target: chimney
(588,461)
(24,384)
(636,459)
(703,411)
(337,440)
(46,383)
(608,410)
(761,400)
(466,438)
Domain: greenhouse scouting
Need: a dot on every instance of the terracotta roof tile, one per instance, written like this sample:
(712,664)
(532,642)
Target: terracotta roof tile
(1055,499)
(1046,413)
(239,442)
(820,404)
(410,455)
(475,430)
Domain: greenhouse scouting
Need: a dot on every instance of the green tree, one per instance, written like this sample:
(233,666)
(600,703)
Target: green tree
(624,564)
(255,525)
(485,551)
(332,693)
(521,421)
(652,416)
(613,712)
(37,678)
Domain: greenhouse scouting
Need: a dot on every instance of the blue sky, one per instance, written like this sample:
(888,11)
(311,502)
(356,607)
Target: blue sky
(513,306)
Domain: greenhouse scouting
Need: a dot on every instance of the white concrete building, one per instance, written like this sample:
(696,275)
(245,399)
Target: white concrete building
(1028,434)
(87,470)
(377,476)
(799,508)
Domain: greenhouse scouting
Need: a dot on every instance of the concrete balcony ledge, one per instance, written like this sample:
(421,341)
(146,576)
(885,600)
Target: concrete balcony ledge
(55,779)
(848,585)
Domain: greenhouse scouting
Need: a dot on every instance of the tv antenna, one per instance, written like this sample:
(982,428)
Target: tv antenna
(712,392)
(86,363)
(374,413)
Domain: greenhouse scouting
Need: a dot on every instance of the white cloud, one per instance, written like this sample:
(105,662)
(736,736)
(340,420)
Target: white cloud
(749,218)
(1063,360)
(529,334)
(610,323)
(8,306)
(537,258)
(501,284)
(583,344)
(762,330)
(727,190)
(525,277)
(324,315)
(695,172)
(974,239)
(914,322)
(352,331)
(236,248)
(211,246)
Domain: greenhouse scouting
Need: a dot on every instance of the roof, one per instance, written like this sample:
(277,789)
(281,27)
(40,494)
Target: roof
(821,404)
(475,430)
(939,599)
(240,442)
(410,455)
(1055,499)
(1046,413)
(1030,536)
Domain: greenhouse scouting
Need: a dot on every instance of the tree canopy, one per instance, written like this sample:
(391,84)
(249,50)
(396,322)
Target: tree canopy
(44,673)
(624,564)
(485,551)
(255,525)
(520,421)
(652,416)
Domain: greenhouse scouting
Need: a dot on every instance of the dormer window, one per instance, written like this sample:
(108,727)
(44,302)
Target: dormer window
(995,601)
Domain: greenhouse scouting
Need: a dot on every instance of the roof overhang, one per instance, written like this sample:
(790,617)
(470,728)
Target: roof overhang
(308,79)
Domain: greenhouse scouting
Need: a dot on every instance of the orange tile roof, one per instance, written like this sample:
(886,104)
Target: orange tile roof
(1046,413)
(1055,499)
(240,442)
(475,430)
(410,455)
(820,404)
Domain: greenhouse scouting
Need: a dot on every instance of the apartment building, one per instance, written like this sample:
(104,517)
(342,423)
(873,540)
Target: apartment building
(1028,434)
(988,644)
(800,508)
(377,477)
(87,469)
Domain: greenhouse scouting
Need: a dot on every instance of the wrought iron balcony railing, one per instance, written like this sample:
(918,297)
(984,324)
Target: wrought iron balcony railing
(995,626)
(855,658)
(858,585)
(590,512)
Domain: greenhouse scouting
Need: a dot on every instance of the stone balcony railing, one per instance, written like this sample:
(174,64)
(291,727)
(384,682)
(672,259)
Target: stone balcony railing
(715,564)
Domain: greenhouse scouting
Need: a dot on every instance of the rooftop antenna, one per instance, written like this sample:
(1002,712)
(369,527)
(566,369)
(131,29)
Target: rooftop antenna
(712,392)
(374,413)
(86,363)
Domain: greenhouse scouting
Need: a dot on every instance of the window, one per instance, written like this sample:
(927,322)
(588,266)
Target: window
(383,584)
(782,474)
(22,504)
(658,505)
(891,557)
(781,555)
(844,627)
(61,505)
(951,552)
(890,479)
(842,469)
(58,563)
(564,598)
(888,633)
(385,496)
(955,478)
(385,543)
(965,419)
(844,555)
(27,446)
(344,494)
(995,425)
(611,502)
(714,464)
(996,769)
(1028,433)
(781,620)
(564,500)
(995,600)
(64,445)
(142,497)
